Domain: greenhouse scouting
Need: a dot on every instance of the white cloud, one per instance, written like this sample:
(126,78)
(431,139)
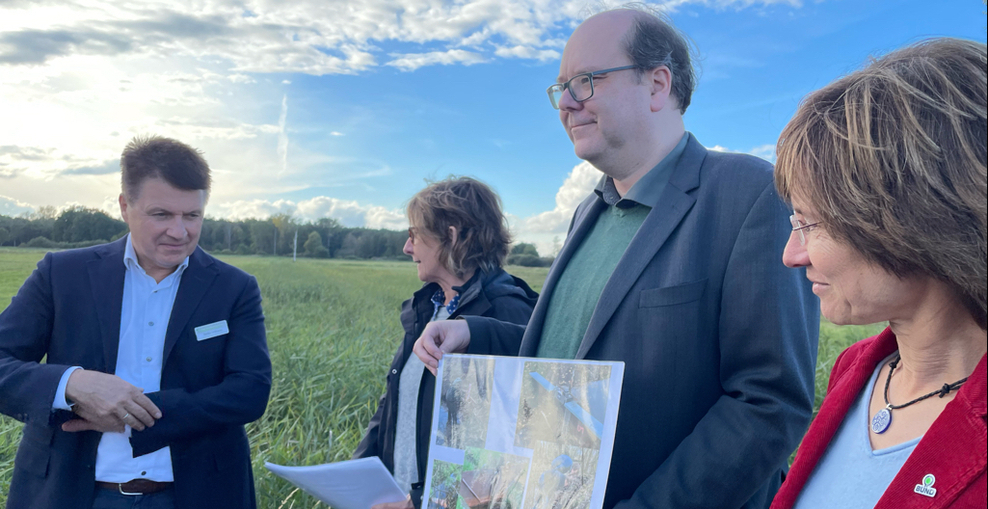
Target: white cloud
(766,152)
(577,186)
(12,207)
(351,213)
(547,230)
(241,78)
(307,36)
(82,78)
(412,61)
(542,55)
(347,212)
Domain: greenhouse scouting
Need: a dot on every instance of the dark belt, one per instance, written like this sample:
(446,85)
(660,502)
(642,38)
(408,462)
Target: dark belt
(136,486)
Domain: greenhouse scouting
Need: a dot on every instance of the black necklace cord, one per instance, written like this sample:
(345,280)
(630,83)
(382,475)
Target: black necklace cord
(943,391)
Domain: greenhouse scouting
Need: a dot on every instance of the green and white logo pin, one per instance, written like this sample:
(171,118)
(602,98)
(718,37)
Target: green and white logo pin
(926,489)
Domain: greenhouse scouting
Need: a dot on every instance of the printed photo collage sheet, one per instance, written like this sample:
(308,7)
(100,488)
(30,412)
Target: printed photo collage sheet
(522,433)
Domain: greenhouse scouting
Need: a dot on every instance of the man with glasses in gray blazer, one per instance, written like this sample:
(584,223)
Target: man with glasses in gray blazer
(672,266)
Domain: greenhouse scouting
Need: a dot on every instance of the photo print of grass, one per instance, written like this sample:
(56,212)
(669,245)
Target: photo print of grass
(445,484)
(525,433)
(465,402)
(492,480)
(562,477)
(562,403)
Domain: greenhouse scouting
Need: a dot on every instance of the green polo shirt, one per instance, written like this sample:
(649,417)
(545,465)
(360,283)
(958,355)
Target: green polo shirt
(578,290)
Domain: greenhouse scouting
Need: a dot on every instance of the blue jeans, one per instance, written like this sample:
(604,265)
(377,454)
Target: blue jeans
(111,499)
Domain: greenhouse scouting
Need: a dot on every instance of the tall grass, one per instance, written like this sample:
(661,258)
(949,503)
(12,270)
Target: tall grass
(332,329)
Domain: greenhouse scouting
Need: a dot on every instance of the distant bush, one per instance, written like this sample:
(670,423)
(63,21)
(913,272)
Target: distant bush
(528,260)
(46,243)
(524,249)
(40,242)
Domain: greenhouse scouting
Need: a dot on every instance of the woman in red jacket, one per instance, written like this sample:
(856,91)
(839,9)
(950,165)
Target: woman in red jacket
(886,172)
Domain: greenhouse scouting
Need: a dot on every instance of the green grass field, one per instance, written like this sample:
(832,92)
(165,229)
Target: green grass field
(332,330)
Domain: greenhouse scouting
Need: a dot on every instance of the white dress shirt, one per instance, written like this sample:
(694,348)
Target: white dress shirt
(147,306)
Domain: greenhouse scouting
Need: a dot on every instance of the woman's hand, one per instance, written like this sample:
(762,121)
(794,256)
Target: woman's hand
(404,504)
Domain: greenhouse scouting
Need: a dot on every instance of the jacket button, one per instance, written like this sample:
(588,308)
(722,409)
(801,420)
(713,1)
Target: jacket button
(394,371)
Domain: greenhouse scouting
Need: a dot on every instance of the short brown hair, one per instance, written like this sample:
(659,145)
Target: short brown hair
(475,211)
(145,157)
(893,160)
(654,41)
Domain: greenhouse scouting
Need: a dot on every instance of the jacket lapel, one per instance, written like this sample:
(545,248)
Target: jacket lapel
(106,279)
(652,234)
(840,396)
(586,217)
(960,429)
(196,280)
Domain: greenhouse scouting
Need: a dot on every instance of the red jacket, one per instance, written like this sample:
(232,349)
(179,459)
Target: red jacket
(953,450)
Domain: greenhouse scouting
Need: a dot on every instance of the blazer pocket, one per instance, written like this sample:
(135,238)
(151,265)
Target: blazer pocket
(672,295)
(34,453)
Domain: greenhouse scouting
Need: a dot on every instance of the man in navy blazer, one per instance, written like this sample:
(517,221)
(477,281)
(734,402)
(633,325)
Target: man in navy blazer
(672,266)
(154,357)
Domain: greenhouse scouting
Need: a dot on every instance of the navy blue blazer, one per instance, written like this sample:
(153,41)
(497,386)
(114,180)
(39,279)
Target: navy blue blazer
(69,309)
(719,339)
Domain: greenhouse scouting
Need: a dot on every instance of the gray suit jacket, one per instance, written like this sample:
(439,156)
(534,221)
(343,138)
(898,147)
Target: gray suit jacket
(719,339)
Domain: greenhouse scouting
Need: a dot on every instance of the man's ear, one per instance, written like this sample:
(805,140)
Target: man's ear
(123,207)
(452,233)
(660,81)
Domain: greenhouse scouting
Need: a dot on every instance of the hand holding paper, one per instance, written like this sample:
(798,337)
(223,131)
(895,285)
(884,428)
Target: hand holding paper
(438,338)
(354,484)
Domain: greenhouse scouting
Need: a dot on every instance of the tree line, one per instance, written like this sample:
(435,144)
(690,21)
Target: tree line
(325,238)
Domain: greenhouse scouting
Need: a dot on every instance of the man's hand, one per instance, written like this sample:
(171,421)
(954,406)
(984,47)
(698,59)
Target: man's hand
(106,403)
(438,338)
(404,504)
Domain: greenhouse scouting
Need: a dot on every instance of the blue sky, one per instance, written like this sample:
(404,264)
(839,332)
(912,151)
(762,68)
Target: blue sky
(342,109)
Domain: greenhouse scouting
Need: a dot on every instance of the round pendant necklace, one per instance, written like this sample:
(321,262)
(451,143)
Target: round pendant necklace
(883,419)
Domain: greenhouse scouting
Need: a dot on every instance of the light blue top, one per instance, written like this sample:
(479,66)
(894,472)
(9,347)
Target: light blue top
(850,474)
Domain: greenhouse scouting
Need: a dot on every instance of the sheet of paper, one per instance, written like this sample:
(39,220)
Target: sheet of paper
(522,433)
(354,484)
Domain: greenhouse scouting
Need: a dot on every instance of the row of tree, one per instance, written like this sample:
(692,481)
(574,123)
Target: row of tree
(325,238)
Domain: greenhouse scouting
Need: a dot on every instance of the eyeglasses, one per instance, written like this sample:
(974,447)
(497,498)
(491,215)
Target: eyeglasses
(799,226)
(580,86)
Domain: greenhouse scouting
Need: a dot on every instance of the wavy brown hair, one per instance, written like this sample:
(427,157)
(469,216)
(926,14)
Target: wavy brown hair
(471,207)
(893,159)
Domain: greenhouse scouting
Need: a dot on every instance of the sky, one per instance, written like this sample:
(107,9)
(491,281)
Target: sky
(343,108)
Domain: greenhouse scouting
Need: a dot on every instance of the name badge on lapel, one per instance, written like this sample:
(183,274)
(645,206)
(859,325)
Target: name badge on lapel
(204,332)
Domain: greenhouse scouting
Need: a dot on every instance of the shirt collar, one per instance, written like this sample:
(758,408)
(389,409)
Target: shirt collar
(130,259)
(648,189)
(439,299)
